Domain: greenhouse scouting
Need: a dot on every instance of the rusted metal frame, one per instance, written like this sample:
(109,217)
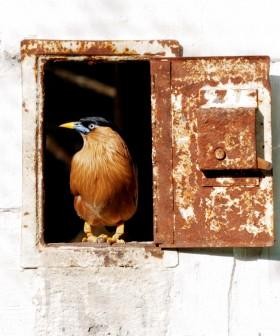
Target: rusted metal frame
(150,48)
(162,73)
(39,72)
(33,53)
(93,58)
(182,126)
(30,213)
(33,107)
(162,152)
(40,63)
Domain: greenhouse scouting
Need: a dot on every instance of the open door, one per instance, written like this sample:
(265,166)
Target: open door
(212,148)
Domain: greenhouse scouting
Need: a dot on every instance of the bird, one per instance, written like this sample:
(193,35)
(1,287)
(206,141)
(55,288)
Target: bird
(103,180)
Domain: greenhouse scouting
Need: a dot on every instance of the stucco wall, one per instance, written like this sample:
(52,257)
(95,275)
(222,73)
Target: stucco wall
(185,293)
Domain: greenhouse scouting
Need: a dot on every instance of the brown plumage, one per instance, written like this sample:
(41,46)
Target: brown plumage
(102,179)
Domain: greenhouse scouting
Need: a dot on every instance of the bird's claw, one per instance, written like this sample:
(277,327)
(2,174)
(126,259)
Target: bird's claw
(94,235)
(95,239)
(112,240)
(102,238)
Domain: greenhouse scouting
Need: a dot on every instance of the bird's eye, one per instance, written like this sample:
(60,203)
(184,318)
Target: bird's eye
(91,126)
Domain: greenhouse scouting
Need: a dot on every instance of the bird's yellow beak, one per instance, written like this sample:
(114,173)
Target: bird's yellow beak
(68,125)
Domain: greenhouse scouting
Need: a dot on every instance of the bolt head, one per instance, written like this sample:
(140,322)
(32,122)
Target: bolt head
(220,154)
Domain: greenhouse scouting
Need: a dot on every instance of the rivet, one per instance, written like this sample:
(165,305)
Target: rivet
(220,154)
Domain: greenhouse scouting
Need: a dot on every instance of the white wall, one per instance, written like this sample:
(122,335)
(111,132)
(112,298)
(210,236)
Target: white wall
(188,293)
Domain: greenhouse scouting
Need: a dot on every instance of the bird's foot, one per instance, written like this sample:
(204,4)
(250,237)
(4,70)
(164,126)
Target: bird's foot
(112,240)
(102,238)
(95,239)
(94,234)
(115,239)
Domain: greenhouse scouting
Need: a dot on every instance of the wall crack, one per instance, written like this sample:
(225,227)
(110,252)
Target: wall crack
(9,210)
(231,282)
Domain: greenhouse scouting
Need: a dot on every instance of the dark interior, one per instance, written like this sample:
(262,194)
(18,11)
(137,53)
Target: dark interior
(117,91)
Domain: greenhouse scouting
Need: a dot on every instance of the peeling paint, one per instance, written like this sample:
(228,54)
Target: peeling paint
(251,228)
(229,98)
(186,213)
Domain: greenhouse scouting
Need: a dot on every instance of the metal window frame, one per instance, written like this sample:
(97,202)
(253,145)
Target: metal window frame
(34,53)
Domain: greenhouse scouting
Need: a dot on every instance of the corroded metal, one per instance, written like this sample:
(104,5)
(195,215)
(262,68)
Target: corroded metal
(153,48)
(162,152)
(226,138)
(230,207)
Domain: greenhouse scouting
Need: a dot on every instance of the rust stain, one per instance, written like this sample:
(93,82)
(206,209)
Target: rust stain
(24,108)
(154,252)
(253,94)
(221,94)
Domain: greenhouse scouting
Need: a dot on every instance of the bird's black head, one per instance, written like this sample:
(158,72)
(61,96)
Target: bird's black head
(86,125)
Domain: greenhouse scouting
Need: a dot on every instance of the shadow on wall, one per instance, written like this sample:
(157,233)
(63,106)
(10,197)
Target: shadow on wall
(272,253)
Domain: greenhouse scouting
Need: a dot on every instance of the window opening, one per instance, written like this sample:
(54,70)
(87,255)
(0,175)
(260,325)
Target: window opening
(116,90)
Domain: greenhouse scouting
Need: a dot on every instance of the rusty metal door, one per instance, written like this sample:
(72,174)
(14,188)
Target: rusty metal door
(212,152)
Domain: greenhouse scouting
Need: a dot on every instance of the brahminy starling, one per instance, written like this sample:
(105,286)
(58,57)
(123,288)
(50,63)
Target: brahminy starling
(103,180)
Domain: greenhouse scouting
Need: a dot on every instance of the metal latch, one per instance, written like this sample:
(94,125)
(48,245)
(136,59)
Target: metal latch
(227,131)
